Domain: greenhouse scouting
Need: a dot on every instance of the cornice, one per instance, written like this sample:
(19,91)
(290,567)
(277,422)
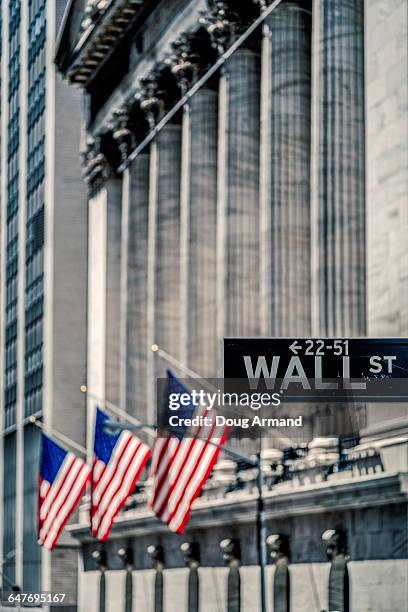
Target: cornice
(105,23)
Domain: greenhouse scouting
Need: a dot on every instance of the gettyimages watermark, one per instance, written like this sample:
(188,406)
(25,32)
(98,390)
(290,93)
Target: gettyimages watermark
(218,399)
(203,404)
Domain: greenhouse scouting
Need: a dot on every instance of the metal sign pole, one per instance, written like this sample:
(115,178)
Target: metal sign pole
(261,533)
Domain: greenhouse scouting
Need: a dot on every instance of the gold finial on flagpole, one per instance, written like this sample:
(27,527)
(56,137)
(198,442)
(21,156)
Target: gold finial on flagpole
(50,431)
(155,348)
(83,388)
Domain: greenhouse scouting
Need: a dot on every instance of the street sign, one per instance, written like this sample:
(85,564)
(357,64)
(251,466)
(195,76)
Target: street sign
(321,369)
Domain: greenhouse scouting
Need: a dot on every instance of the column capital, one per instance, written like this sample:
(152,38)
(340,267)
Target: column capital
(263,4)
(224,22)
(156,554)
(221,22)
(183,62)
(122,133)
(336,542)
(192,53)
(95,166)
(231,551)
(150,98)
(278,545)
(158,91)
(191,554)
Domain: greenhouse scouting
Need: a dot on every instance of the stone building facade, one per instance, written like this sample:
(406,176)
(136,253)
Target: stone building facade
(247,173)
(43,270)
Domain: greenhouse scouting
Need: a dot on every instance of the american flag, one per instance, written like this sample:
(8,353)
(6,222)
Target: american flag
(182,461)
(119,460)
(62,481)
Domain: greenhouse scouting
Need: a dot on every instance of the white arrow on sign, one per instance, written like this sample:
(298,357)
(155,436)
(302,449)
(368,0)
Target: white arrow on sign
(295,347)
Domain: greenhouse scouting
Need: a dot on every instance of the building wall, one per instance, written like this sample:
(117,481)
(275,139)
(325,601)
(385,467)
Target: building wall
(386,25)
(10,267)
(43,257)
(387,166)
(376,537)
(350,231)
(309,584)
(314,200)
(69,269)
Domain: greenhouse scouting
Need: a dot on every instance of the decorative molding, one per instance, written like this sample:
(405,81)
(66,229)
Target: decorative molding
(278,546)
(183,62)
(231,552)
(125,554)
(336,542)
(263,4)
(121,132)
(94,163)
(93,9)
(191,554)
(98,39)
(150,98)
(377,490)
(156,554)
(224,23)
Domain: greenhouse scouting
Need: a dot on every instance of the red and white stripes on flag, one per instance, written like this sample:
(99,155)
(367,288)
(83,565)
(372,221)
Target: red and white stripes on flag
(119,460)
(182,463)
(62,481)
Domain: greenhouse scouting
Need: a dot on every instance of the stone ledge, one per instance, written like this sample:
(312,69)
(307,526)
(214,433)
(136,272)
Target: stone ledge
(349,494)
(385,430)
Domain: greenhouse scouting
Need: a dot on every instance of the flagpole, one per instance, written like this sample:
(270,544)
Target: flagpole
(177,364)
(155,348)
(261,532)
(56,434)
(148,429)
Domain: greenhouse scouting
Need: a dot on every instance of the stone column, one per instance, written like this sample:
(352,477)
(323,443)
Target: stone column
(113,245)
(279,552)
(167,287)
(191,553)
(386,52)
(163,246)
(198,207)
(104,244)
(285,170)
(338,177)
(201,316)
(156,554)
(231,552)
(238,177)
(240,202)
(338,174)
(134,285)
(339,581)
